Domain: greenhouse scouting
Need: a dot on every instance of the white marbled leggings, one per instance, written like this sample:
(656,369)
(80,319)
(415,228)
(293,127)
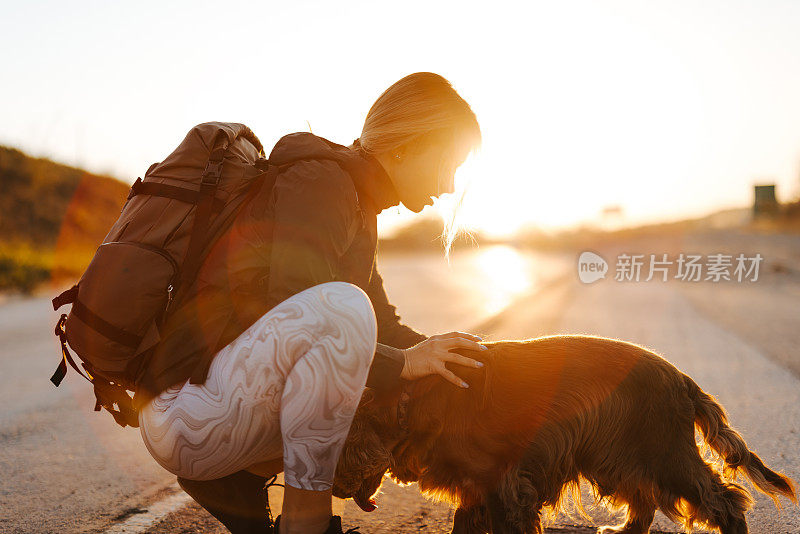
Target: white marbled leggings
(289,385)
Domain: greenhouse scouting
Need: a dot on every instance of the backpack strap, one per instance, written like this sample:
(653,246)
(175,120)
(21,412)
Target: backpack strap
(106,393)
(183,194)
(194,257)
(68,296)
(94,321)
(66,356)
(202,217)
(108,330)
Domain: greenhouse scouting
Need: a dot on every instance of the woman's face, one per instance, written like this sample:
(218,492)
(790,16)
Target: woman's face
(423,171)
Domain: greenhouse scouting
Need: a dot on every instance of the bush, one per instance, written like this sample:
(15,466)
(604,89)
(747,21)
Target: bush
(23,268)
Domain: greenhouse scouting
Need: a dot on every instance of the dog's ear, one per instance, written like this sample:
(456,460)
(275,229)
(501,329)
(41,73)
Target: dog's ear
(367,398)
(380,407)
(411,454)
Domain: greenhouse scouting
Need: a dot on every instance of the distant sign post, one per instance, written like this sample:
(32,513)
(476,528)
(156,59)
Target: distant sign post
(765,204)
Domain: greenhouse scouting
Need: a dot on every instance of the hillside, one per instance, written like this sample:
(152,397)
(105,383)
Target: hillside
(52,218)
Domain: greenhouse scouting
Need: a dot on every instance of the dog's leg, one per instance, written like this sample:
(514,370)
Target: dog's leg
(712,500)
(641,512)
(471,520)
(499,516)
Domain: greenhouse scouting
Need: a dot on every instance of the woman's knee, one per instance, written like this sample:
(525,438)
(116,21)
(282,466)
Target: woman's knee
(346,306)
(348,298)
(350,311)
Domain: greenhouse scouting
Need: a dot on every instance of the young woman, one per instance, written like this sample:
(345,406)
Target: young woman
(262,369)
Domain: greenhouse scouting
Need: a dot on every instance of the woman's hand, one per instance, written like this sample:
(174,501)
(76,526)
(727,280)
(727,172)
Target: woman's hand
(428,357)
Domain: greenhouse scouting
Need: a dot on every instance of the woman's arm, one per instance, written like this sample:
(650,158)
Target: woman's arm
(393,336)
(404,353)
(390,330)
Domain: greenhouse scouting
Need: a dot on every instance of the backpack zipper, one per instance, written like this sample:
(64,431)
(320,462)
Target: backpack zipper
(163,254)
(151,248)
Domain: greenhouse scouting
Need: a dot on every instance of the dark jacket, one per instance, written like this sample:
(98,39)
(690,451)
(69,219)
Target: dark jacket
(318,224)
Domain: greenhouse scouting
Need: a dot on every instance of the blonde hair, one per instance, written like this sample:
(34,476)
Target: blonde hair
(421,107)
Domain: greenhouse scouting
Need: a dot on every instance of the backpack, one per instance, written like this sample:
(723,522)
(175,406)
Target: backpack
(152,254)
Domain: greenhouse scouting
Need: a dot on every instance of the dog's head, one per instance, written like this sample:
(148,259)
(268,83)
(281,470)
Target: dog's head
(378,444)
(366,456)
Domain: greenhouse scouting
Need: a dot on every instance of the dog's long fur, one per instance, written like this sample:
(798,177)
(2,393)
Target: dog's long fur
(541,415)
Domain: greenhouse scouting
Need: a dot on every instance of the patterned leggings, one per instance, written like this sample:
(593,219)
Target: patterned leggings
(289,385)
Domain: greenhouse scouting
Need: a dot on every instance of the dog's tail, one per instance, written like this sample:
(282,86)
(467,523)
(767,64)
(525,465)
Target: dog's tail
(711,419)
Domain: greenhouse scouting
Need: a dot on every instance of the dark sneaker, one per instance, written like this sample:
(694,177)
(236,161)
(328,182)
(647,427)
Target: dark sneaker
(334,527)
(238,501)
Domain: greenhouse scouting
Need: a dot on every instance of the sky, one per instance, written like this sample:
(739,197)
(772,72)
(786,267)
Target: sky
(665,109)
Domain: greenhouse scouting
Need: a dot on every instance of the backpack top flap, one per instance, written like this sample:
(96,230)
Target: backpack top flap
(193,152)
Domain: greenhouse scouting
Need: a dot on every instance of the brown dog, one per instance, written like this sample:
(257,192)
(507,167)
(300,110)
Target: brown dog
(541,415)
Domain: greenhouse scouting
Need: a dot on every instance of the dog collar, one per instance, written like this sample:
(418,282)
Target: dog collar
(402,405)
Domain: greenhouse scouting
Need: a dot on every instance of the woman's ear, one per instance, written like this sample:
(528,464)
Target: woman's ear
(408,150)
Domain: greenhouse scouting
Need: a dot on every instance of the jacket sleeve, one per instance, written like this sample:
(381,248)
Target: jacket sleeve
(392,336)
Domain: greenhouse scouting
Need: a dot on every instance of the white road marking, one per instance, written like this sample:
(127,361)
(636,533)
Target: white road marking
(157,511)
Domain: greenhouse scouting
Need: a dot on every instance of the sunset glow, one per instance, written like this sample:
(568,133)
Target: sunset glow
(665,111)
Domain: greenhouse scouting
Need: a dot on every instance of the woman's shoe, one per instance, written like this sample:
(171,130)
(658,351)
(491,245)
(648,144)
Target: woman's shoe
(238,501)
(334,527)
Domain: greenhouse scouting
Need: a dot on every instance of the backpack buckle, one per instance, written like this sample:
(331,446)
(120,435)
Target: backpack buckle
(213,170)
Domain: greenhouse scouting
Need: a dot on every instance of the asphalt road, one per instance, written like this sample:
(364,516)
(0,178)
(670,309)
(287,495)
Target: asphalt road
(67,469)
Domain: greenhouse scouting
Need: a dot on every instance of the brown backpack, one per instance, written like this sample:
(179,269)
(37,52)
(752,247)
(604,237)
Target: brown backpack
(152,254)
